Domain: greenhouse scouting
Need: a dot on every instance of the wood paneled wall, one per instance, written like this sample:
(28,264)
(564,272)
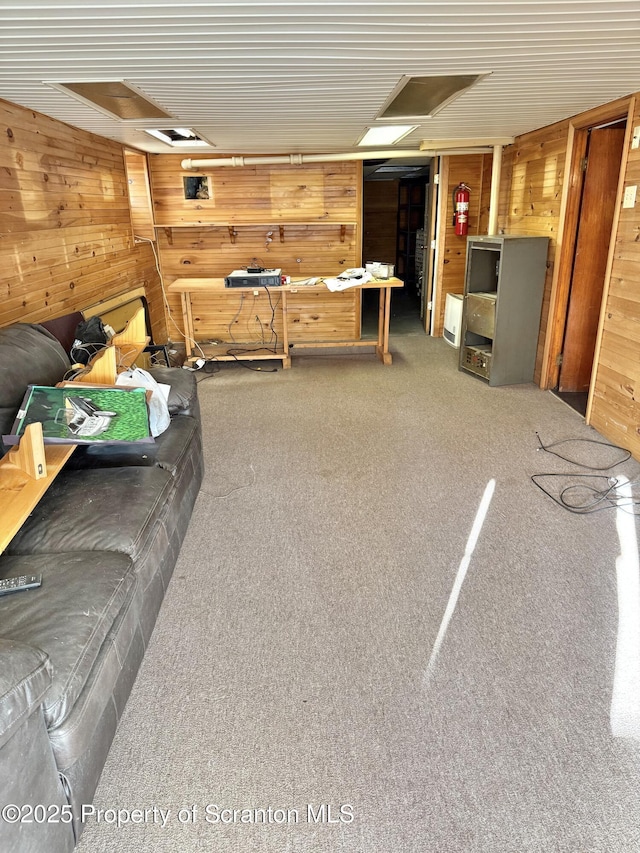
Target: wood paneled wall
(534,191)
(531,190)
(305,220)
(65,229)
(139,190)
(475,171)
(254,318)
(615,408)
(299,250)
(315,193)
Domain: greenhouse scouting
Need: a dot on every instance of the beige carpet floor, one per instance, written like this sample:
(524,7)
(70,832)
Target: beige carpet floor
(323,665)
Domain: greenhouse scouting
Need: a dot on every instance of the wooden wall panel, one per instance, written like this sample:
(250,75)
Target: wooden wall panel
(306,251)
(238,317)
(65,229)
(533,188)
(304,220)
(615,410)
(139,191)
(475,171)
(322,192)
(324,316)
(531,191)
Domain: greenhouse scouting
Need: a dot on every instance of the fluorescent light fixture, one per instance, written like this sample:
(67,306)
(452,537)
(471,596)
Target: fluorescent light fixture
(179,137)
(386,134)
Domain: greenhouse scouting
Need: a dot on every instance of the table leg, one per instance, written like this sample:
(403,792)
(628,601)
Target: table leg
(384,318)
(286,361)
(187,320)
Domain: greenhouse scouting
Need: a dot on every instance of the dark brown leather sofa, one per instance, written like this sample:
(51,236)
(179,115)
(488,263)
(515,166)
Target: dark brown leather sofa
(105,538)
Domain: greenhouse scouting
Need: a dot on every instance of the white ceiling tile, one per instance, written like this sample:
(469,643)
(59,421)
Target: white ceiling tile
(265,77)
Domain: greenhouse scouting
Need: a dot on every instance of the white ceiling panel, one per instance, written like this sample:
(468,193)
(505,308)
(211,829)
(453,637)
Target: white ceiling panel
(274,77)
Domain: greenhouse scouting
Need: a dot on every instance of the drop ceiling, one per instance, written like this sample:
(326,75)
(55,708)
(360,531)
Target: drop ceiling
(274,77)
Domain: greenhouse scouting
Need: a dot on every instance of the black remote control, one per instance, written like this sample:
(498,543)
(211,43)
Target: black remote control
(9,585)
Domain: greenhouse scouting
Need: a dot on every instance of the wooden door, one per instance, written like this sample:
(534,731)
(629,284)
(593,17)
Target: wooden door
(597,209)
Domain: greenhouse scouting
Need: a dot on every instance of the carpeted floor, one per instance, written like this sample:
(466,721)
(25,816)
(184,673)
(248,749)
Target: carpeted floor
(300,671)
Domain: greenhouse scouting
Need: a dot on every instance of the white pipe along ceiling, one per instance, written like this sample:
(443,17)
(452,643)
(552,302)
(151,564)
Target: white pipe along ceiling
(190,164)
(299,159)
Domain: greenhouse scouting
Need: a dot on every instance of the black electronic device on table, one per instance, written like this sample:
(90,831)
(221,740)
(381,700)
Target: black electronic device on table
(254,277)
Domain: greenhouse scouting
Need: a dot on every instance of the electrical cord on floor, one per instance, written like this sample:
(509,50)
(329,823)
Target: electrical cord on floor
(235,354)
(274,334)
(595,499)
(582,498)
(626,454)
(272,345)
(209,369)
(235,489)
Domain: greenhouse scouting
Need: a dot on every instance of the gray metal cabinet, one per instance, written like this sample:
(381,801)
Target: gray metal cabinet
(503,289)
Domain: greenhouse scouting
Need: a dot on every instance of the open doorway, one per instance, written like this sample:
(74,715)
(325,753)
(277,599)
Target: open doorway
(395,197)
(603,147)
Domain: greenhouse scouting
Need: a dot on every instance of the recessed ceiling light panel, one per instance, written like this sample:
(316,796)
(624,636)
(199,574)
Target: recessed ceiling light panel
(386,134)
(423,97)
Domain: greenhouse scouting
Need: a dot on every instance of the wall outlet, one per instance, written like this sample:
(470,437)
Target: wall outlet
(629,198)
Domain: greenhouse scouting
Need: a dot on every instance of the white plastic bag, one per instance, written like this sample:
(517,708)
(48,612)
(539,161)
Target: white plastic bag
(159,418)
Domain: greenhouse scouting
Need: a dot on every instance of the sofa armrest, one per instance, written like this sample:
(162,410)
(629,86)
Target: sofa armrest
(25,676)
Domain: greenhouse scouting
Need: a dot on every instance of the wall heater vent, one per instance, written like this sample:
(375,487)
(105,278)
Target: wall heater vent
(453,319)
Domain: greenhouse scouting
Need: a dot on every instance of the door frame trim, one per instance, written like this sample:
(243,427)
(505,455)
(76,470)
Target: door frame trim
(567,234)
(431,215)
(441,240)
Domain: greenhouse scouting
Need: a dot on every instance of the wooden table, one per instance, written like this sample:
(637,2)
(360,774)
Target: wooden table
(188,287)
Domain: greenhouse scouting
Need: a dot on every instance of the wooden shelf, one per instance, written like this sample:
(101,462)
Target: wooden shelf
(240,352)
(257,224)
(280,227)
(26,472)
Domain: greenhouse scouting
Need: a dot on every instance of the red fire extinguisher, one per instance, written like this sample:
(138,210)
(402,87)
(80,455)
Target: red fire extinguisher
(461,209)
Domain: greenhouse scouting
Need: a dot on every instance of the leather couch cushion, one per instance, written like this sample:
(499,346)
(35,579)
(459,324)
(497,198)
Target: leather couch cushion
(111,509)
(25,676)
(113,455)
(183,396)
(168,451)
(29,355)
(68,617)
(64,328)
(176,443)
